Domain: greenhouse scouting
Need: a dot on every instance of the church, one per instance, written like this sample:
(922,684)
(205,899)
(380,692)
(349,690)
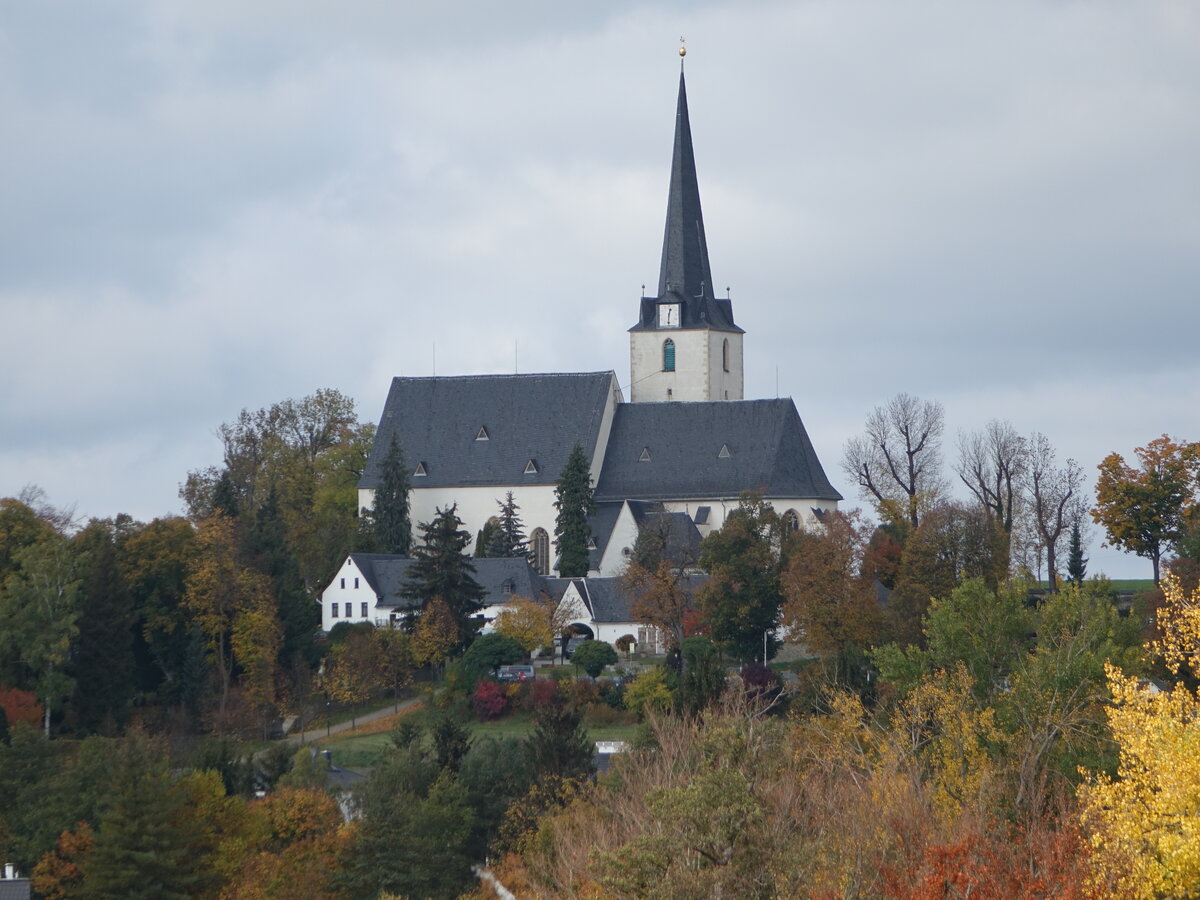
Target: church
(685,442)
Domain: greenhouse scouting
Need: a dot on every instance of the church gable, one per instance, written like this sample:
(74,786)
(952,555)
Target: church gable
(491,429)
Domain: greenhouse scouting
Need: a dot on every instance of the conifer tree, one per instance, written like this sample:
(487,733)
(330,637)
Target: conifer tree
(508,539)
(390,512)
(1076,561)
(102,661)
(442,570)
(573,500)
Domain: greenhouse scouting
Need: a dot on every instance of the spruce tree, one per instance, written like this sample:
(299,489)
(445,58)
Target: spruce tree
(1076,561)
(508,539)
(102,662)
(389,512)
(443,571)
(299,616)
(573,500)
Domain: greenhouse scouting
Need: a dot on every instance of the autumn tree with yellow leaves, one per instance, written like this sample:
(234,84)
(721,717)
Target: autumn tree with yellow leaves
(1145,822)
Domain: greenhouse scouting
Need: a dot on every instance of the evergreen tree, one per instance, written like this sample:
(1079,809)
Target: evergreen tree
(299,617)
(102,661)
(508,539)
(389,512)
(145,846)
(573,500)
(560,744)
(225,496)
(1076,561)
(443,571)
(483,540)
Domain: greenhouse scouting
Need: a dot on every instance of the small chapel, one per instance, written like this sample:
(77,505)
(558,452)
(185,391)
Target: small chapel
(685,443)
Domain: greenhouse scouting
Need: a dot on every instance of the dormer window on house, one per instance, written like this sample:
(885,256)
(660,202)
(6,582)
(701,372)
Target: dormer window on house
(645,455)
(668,355)
(482,435)
(420,471)
(724,452)
(508,586)
(531,467)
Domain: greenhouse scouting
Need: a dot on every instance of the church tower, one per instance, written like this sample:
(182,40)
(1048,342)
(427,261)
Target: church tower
(685,345)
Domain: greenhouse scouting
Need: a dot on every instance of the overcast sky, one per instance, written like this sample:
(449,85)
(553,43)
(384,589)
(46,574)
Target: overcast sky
(209,206)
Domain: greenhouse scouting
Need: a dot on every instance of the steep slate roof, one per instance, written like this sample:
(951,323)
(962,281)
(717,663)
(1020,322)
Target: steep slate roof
(602,522)
(540,417)
(769,451)
(684,274)
(385,574)
(610,604)
(683,537)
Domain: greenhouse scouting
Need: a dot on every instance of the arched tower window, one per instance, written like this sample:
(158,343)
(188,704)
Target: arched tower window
(725,355)
(668,355)
(791,520)
(539,543)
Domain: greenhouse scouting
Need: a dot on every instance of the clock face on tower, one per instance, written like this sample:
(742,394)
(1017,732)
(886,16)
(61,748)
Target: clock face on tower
(668,315)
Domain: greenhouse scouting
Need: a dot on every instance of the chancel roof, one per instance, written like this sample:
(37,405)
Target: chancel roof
(710,450)
(490,429)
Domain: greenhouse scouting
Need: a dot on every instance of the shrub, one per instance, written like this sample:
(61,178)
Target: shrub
(21,706)
(648,692)
(612,692)
(624,642)
(541,693)
(602,714)
(762,685)
(581,693)
(489,700)
(593,656)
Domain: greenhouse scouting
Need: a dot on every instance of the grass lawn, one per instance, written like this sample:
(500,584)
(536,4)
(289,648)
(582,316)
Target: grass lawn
(357,750)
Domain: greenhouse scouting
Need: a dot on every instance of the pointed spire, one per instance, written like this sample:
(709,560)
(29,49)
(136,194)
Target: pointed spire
(684,269)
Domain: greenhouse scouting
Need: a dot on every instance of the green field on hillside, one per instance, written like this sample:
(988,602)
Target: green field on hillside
(357,751)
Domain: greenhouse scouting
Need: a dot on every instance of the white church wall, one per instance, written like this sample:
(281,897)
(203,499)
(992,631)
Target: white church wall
(476,505)
(620,544)
(725,383)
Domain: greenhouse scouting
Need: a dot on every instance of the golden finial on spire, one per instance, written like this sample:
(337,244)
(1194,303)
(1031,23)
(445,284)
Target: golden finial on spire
(682,49)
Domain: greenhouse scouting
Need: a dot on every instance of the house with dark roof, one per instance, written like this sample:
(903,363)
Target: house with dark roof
(686,441)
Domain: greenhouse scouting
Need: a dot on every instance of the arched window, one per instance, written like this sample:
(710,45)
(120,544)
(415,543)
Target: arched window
(668,355)
(791,519)
(725,354)
(539,542)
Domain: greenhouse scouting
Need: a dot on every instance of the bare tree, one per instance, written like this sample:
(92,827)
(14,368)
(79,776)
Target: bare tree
(897,463)
(1051,489)
(992,463)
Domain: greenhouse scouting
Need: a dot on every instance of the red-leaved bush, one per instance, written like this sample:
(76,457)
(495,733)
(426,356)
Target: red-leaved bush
(543,692)
(20,706)
(489,700)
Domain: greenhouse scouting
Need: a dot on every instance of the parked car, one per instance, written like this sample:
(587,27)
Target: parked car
(515,673)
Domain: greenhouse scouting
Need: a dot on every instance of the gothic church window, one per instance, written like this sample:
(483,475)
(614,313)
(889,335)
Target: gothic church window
(539,540)
(725,357)
(668,355)
(791,520)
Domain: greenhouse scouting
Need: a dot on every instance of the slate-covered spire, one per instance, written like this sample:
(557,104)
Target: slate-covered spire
(684,269)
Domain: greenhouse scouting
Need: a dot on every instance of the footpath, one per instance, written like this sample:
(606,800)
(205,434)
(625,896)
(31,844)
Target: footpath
(314,734)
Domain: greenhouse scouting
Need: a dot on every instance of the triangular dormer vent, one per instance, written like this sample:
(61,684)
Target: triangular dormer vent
(420,471)
(645,457)
(724,454)
(482,435)
(591,544)
(531,467)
